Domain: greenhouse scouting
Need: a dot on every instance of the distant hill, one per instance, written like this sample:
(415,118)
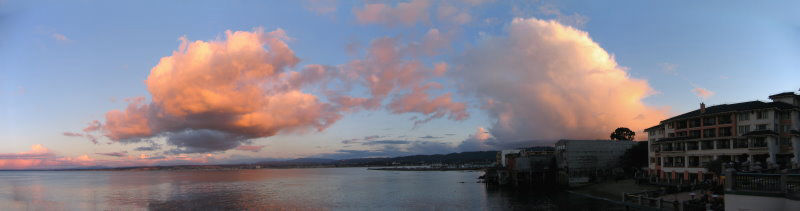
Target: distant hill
(481,157)
(452,158)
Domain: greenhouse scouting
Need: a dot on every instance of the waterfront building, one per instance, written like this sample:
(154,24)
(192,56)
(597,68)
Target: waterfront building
(503,154)
(763,135)
(579,160)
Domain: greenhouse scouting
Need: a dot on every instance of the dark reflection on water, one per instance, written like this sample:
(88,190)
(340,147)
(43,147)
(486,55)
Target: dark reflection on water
(323,188)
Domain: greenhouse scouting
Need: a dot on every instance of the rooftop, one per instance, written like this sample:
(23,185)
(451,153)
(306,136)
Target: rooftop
(725,108)
(784,94)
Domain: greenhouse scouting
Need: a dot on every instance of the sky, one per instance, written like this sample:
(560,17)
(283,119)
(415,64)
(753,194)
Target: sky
(99,83)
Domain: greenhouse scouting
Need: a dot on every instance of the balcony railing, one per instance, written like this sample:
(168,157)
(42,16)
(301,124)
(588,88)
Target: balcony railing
(759,144)
(786,185)
(739,144)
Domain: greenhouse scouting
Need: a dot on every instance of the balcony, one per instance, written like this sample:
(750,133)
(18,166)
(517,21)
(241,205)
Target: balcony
(692,146)
(707,145)
(737,144)
(723,144)
(724,120)
(758,144)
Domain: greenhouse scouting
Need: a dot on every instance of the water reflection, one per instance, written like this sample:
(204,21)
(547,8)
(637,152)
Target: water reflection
(332,188)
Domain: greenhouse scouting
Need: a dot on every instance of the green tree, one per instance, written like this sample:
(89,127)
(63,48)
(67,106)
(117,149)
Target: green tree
(715,166)
(623,133)
(634,158)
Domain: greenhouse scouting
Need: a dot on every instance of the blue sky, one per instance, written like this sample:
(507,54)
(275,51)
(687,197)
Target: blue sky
(64,64)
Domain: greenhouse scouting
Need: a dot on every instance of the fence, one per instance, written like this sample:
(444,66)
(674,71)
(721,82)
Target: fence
(759,184)
(651,199)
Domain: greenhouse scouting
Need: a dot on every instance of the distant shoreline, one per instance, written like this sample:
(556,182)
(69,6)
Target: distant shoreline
(243,167)
(424,169)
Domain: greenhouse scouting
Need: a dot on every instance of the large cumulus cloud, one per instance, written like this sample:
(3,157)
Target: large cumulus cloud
(547,81)
(216,95)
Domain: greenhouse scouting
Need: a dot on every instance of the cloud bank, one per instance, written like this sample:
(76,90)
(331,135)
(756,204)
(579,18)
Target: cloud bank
(221,94)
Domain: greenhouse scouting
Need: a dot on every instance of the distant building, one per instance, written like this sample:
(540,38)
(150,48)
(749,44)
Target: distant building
(525,166)
(502,159)
(580,160)
(753,132)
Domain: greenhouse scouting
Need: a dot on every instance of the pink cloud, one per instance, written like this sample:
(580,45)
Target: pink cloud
(547,81)
(60,37)
(71,134)
(419,101)
(232,89)
(387,69)
(452,14)
(40,157)
(322,7)
(406,13)
(702,92)
(216,95)
(249,148)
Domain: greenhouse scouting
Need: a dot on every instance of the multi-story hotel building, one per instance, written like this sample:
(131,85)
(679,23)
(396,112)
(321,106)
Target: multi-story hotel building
(755,132)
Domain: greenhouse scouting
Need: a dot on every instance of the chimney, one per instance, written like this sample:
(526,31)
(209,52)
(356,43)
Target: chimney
(702,108)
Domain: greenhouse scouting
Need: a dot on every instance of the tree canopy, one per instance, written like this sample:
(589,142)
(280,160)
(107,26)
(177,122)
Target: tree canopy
(635,157)
(623,134)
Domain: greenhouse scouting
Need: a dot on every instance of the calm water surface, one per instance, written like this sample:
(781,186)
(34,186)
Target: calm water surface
(315,189)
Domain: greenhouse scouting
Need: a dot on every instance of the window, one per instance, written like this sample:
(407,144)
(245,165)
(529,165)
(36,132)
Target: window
(679,161)
(744,116)
(762,114)
(725,131)
(708,133)
(724,119)
(694,161)
(682,134)
(708,121)
(723,144)
(759,142)
(694,122)
(671,135)
(671,125)
(744,129)
(707,145)
(740,143)
(694,134)
(692,145)
(786,115)
(761,127)
(679,147)
(667,147)
(681,124)
(786,142)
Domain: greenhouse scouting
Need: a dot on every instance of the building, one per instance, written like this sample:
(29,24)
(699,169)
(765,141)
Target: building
(525,166)
(756,133)
(580,160)
(501,159)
